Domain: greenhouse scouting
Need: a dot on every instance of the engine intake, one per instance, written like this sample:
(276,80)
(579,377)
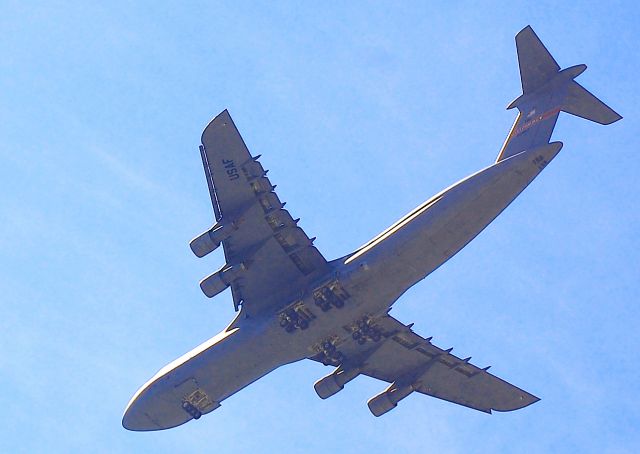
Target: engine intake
(210,240)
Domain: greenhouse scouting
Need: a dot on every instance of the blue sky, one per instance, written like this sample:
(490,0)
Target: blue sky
(361,111)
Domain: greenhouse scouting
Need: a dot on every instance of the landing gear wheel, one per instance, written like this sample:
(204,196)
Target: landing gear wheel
(328,346)
(303,324)
(376,337)
(356,335)
(362,341)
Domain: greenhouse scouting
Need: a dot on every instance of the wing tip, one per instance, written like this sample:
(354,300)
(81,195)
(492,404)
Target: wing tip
(220,118)
(522,401)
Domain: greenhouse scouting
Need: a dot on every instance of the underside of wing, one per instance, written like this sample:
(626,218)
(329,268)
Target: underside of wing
(411,363)
(264,246)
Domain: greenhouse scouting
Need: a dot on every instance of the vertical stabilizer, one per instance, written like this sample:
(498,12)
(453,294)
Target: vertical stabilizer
(537,66)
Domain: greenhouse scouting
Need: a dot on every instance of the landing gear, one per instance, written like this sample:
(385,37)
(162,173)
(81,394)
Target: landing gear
(322,304)
(329,354)
(331,295)
(328,347)
(365,330)
(295,317)
(191,409)
(289,320)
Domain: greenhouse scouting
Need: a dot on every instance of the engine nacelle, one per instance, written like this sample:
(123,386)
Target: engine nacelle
(334,382)
(381,404)
(210,240)
(388,399)
(220,280)
(327,386)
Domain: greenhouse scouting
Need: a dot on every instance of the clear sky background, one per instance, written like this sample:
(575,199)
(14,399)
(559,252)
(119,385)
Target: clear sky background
(361,112)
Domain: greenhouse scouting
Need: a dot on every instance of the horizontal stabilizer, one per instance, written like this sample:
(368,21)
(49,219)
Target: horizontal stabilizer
(581,103)
(537,66)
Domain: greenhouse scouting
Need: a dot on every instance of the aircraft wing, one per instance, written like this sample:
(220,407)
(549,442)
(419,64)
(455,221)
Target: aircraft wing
(411,362)
(265,242)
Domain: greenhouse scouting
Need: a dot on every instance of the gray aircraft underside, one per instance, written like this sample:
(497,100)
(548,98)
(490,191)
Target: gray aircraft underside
(294,304)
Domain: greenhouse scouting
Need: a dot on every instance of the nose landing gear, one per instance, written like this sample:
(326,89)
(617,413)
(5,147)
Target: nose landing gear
(191,409)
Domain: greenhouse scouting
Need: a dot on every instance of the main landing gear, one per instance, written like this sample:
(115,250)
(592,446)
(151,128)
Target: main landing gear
(330,296)
(294,318)
(329,355)
(365,330)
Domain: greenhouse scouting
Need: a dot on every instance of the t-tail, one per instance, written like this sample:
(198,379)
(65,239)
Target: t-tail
(546,91)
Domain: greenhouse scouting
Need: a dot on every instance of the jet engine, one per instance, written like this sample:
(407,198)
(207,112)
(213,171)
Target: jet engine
(388,399)
(327,386)
(334,382)
(220,280)
(381,404)
(211,239)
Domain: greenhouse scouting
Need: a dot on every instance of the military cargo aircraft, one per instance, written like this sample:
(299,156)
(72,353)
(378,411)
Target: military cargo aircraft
(293,304)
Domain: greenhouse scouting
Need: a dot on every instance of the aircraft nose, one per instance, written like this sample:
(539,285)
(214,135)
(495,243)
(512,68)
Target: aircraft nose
(138,421)
(155,406)
(136,416)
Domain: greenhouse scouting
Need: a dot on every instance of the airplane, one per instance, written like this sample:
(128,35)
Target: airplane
(293,304)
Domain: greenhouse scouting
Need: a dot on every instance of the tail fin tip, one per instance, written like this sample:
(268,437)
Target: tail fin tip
(537,65)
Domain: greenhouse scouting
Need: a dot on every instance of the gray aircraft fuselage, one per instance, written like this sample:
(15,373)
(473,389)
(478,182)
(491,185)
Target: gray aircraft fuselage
(409,251)
(378,273)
